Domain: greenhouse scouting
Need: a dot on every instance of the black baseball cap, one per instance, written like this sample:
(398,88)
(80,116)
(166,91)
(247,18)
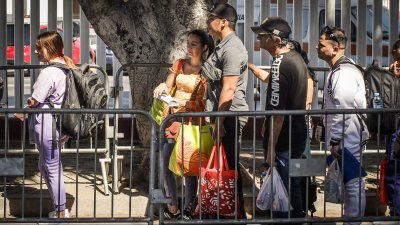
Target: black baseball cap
(273,25)
(224,11)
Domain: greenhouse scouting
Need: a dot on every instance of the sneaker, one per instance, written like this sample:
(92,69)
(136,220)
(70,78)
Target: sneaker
(172,216)
(54,214)
(187,215)
(187,212)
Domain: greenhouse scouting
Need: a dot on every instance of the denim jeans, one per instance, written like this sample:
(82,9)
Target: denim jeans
(296,195)
(393,186)
(392,178)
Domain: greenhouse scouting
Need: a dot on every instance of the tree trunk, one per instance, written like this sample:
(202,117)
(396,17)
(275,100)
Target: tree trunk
(146,31)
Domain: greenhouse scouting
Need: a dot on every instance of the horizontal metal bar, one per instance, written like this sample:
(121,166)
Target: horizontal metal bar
(287,221)
(74,150)
(314,152)
(203,114)
(22,67)
(38,66)
(147,65)
(135,148)
(75,111)
(75,220)
(67,151)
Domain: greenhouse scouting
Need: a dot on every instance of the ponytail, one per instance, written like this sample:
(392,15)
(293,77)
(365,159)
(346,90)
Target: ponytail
(70,63)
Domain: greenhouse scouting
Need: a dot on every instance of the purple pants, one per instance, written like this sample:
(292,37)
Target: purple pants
(50,161)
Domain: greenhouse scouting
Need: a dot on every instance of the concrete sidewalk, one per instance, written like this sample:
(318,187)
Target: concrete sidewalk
(86,199)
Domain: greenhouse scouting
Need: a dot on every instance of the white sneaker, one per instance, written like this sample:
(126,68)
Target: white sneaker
(54,214)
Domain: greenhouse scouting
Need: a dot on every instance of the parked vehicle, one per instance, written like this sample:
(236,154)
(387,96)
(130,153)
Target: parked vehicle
(27,45)
(109,58)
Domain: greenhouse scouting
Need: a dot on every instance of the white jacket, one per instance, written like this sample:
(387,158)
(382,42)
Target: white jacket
(345,89)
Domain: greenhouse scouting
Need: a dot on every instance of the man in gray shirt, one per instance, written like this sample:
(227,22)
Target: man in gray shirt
(226,72)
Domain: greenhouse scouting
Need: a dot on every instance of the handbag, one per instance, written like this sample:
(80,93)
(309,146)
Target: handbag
(159,108)
(383,195)
(192,143)
(218,182)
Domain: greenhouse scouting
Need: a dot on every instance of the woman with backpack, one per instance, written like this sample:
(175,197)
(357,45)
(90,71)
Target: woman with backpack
(50,87)
(184,77)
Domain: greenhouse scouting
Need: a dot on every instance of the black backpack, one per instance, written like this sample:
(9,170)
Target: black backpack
(387,85)
(84,90)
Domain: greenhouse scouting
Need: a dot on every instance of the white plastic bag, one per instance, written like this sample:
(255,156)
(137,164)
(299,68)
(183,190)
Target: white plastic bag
(277,200)
(334,184)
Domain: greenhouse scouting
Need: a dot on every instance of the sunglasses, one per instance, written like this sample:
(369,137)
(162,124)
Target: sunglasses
(212,17)
(267,35)
(330,35)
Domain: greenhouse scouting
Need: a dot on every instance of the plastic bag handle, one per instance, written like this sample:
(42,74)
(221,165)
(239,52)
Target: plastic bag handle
(223,163)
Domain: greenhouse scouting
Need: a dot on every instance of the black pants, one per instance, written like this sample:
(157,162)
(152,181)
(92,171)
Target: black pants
(231,140)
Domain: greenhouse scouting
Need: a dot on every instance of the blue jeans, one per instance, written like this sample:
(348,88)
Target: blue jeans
(296,195)
(393,187)
(392,178)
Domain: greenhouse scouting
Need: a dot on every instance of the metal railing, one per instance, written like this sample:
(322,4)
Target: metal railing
(32,72)
(24,197)
(20,189)
(309,167)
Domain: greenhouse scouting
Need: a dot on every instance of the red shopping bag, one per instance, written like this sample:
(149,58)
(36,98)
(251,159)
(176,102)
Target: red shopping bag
(218,184)
(383,195)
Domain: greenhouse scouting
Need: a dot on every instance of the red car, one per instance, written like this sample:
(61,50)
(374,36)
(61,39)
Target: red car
(76,45)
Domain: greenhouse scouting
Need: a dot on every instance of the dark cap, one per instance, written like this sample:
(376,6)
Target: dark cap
(273,25)
(224,11)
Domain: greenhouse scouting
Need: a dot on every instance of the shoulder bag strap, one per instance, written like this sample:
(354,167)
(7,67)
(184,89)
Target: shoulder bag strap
(178,69)
(213,157)
(223,160)
(67,71)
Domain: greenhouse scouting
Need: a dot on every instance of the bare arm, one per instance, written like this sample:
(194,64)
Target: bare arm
(273,138)
(31,103)
(164,88)
(229,84)
(259,73)
(310,92)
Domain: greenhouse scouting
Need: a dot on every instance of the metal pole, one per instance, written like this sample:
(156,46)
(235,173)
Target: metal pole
(19,52)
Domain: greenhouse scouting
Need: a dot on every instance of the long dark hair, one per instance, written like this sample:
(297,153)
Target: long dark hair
(54,45)
(205,39)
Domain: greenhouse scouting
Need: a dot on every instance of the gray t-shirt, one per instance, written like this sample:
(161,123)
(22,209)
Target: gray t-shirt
(230,59)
